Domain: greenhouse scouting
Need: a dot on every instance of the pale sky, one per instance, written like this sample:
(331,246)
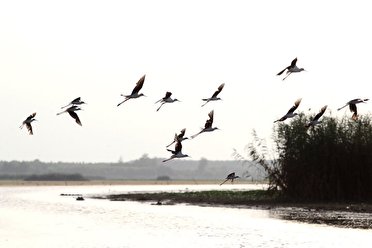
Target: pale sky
(54,51)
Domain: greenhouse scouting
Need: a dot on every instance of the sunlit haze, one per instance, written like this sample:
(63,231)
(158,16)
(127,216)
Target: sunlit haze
(54,51)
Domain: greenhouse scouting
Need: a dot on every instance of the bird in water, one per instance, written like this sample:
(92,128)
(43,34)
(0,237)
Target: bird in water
(315,121)
(207,126)
(135,91)
(290,112)
(177,153)
(76,101)
(352,106)
(291,68)
(71,111)
(179,137)
(214,96)
(166,99)
(28,122)
(231,177)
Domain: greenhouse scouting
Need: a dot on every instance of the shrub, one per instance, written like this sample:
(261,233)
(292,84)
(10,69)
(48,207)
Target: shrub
(331,161)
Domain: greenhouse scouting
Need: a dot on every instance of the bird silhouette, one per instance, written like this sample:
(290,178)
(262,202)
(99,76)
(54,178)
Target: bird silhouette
(207,126)
(315,121)
(135,91)
(71,111)
(179,137)
(291,111)
(166,99)
(231,177)
(76,101)
(28,122)
(290,69)
(177,153)
(214,96)
(352,106)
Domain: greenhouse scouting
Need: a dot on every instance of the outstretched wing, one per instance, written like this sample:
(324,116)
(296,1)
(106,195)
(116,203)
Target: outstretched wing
(182,133)
(293,63)
(218,90)
(167,95)
(29,118)
(211,114)
(75,116)
(295,106)
(231,175)
(139,85)
(76,100)
(353,108)
(321,112)
(209,122)
(29,128)
(178,147)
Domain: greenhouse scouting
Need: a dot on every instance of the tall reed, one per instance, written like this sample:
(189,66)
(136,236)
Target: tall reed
(331,161)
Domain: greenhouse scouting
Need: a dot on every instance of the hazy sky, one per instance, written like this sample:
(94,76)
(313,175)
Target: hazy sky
(54,51)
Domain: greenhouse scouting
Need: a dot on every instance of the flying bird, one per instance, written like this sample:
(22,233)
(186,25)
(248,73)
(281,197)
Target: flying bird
(214,96)
(290,112)
(352,106)
(291,68)
(231,177)
(179,137)
(177,153)
(71,111)
(135,91)
(315,121)
(76,101)
(207,126)
(166,99)
(27,122)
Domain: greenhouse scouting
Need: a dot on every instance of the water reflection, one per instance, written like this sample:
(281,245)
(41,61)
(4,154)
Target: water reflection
(40,217)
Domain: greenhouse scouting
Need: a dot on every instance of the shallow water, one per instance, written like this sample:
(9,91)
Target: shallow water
(39,217)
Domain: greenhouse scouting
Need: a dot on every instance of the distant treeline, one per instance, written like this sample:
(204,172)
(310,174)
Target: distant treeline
(55,177)
(330,162)
(144,168)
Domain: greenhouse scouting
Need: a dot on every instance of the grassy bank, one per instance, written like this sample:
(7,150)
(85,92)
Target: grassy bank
(219,197)
(258,198)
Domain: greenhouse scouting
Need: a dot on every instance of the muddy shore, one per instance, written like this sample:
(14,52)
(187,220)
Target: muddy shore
(347,215)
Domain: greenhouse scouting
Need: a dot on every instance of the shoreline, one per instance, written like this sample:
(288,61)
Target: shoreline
(346,215)
(340,214)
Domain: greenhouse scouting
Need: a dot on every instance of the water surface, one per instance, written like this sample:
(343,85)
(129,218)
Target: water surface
(39,217)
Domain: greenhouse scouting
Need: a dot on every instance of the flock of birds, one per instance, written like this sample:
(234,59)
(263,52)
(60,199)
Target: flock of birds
(75,104)
(315,120)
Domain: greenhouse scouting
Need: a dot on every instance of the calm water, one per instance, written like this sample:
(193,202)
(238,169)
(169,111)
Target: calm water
(39,217)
